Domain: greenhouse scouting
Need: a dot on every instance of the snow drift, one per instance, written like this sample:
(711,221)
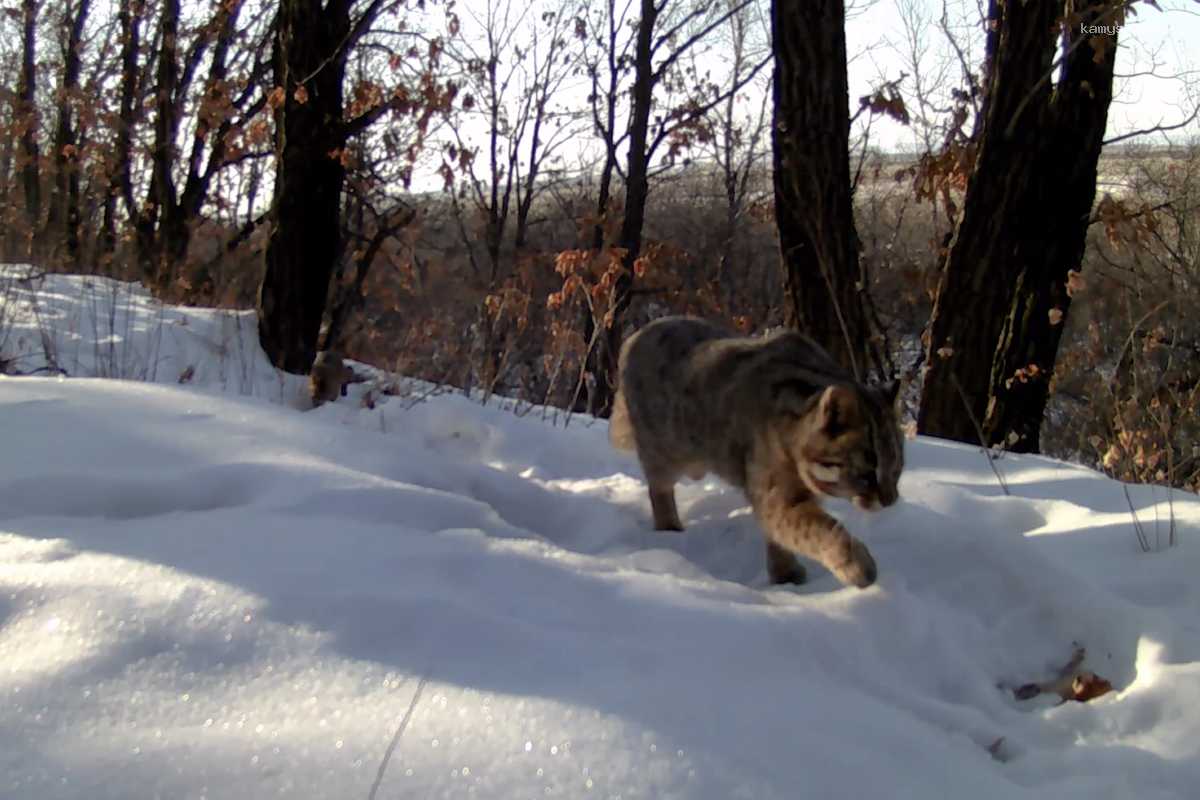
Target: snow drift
(205,592)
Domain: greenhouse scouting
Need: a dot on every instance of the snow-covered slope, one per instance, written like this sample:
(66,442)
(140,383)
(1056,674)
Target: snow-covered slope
(203,595)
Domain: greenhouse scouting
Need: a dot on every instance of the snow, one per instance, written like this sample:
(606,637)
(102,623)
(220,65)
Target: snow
(208,592)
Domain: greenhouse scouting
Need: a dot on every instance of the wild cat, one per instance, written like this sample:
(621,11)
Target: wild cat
(775,416)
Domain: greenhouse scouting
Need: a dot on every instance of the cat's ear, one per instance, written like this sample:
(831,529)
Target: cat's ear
(837,409)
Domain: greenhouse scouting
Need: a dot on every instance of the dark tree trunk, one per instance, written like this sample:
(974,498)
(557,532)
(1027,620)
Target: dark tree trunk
(595,364)
(525,193)
(603,367)
(811,138)
(177,236)
(1002,300)
(64,206)
(602,200)
(7,146)
(305,237)
(726,286)
(607,127)
(637,180)
(121,180)
(1034,323)
(162,227)
(27,117)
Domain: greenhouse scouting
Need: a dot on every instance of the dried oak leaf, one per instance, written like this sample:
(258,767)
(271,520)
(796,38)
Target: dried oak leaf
(1088,685)
(1072,683)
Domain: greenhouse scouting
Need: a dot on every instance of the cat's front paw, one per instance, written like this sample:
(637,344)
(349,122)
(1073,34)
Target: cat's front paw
(859,568)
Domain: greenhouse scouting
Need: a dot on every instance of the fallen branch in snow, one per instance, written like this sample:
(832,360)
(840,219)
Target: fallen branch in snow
(987,451)
(1072,683)
(387,756)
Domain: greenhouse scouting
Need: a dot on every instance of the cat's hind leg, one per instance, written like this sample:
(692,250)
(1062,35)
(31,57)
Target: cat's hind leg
(662,504)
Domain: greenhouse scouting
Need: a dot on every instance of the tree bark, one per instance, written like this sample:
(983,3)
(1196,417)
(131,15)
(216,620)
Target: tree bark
(305,237)
(159,231)
(1002,299)
(811,139)
(606,126)
(1033,326)
(603,366)
(121,180)
(27,117)
(64,205)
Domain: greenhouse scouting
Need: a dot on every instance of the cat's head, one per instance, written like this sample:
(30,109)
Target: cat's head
(851,445)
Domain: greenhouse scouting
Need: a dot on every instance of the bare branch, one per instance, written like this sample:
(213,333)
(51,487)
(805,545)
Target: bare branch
(1160,128)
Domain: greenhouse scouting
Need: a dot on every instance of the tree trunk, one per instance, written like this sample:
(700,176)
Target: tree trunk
(811,138)
(159,233)
(608,130)
(305,237)
(603,367)
(27,117)
(1034,323)
(121,180)
(178,225)
(1002,299)
(7,192)
(64,205)
(726,286)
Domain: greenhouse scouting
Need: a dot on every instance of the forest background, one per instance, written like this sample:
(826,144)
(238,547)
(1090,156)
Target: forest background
(996,203)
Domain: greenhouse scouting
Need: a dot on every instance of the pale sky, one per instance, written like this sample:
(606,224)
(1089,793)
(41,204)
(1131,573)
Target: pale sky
(1166,42)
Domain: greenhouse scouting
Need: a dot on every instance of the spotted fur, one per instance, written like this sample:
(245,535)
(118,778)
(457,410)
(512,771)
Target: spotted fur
(775,416)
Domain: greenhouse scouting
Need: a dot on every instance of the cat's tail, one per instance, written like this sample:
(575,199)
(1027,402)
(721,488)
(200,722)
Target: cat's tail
(620,429)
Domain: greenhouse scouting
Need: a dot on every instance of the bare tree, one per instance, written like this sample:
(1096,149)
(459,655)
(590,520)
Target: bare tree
(313,124)
(27,117)
(1003,296)
(739,136)
(129,16)
(175,196)
(64,203)
(514,62)
(664,34)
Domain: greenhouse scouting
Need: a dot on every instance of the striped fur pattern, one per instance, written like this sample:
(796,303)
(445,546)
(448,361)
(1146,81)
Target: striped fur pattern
(775,416)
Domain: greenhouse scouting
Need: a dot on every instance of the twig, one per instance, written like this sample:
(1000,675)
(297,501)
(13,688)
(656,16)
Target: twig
(1139,213)
(1143,542)
(387,756)
(1157,522)
(1133,329)
(597,328)
(979,432)
(1171,512)
(1160,128)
